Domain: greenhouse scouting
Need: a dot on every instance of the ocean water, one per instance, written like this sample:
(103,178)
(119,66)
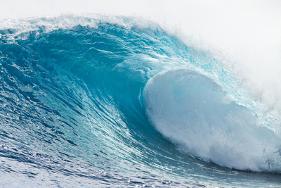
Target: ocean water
(95,102)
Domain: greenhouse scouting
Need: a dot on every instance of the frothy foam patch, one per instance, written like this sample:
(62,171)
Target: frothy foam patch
(193,111)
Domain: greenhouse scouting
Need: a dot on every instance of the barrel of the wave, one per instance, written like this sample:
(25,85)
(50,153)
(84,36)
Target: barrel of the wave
(193,111)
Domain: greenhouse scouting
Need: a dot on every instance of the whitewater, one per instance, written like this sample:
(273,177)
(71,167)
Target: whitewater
(113,99)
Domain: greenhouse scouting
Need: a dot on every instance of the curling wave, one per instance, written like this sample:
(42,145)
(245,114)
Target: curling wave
(113,101)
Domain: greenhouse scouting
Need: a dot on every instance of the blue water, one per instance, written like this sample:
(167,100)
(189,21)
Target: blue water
(119,104)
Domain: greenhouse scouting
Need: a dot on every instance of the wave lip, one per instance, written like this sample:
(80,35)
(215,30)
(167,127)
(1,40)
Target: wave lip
(193,111)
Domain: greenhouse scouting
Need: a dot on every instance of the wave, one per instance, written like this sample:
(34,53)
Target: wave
(127,101)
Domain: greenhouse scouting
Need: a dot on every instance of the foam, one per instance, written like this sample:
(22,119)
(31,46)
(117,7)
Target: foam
(194,112)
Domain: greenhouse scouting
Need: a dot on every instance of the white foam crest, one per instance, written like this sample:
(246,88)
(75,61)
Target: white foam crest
(245,34)
(194,112)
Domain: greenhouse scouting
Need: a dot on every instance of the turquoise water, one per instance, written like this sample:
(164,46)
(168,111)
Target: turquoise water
(118,104)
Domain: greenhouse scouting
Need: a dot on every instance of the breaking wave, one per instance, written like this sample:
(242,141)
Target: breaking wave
(112,101)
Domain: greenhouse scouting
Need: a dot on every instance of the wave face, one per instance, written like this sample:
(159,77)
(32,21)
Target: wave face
(90,101)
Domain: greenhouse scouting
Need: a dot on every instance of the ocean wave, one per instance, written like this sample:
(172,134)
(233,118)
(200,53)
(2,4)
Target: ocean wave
(114,99)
